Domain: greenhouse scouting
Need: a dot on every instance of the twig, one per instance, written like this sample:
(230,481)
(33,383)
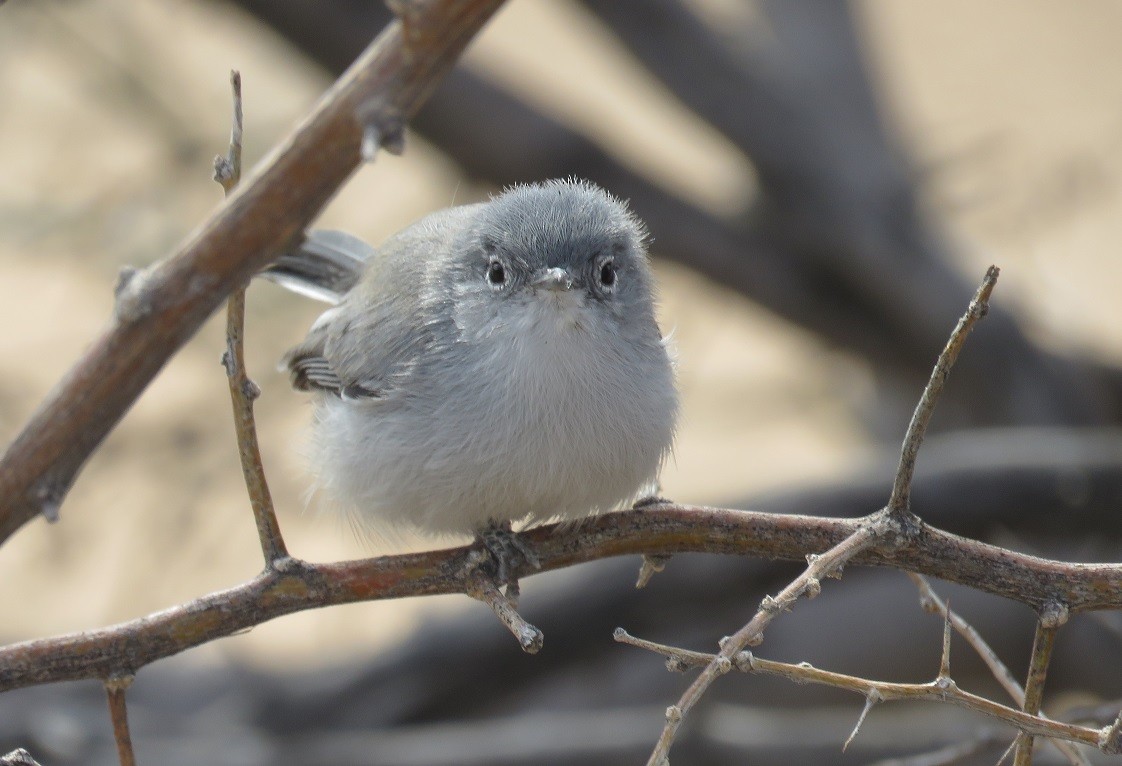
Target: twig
(900,500)
(1051,618)
(160,308)
(482,588)
(931,602)
(939,690)
(243,391)
(118,711)
(667,529)
(228,169)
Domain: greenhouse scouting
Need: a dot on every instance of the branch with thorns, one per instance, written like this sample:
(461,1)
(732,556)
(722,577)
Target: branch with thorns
(893,528)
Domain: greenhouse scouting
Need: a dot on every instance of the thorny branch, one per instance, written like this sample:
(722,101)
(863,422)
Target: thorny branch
(828,564)
(159,308)
(892,528)
(941,689)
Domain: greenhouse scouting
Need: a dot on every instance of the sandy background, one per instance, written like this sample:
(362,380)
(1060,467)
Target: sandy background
(110,113)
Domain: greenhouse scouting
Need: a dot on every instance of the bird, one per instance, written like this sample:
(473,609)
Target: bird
(492,364)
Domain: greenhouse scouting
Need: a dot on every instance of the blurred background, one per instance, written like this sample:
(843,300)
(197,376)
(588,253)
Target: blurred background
(825,185)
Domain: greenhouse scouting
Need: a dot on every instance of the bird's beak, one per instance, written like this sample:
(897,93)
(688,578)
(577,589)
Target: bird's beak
(554,279)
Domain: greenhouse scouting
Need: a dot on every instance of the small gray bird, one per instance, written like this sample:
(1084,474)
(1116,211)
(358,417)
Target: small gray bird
(491,363)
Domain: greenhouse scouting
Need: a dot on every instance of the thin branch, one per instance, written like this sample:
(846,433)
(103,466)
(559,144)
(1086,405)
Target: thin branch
(159,308)
(931,602)
(945,656)
(826,564)
(1051,618)
(118,711)
(483,588)
(939,690)
(666,529)
(243,391)
(900,500)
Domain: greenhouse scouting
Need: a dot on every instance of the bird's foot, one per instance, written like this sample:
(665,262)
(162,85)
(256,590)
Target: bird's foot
(508,552)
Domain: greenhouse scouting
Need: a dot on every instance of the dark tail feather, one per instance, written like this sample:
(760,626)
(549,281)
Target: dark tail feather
(325,266)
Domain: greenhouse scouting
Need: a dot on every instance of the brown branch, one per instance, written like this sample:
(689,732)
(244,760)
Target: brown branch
(664,529)
(942,689)
(900,500)
(243,391)
(159,308)
(115,690)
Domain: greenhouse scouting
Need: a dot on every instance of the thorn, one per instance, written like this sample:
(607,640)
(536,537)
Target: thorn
(652,564)
(872,698)
(1008,750)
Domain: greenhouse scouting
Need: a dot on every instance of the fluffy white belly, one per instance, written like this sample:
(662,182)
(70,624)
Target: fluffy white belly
(531,430)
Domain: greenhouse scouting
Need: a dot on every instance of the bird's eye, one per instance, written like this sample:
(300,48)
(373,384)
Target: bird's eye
(496,274)
(608,273)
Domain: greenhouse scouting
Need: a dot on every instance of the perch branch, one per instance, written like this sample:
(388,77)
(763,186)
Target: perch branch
(243,391)
(668,529)
(159,308)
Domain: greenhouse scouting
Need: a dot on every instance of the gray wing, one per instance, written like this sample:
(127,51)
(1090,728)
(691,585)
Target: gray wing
(367,346)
